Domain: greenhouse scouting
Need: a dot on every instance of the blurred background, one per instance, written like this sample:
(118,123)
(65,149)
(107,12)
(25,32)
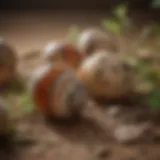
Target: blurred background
(29,24)
(62,4)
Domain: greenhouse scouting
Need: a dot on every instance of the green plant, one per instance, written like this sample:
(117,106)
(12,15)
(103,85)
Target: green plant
(119,25)
(23,104)
(73,34)
(26,102)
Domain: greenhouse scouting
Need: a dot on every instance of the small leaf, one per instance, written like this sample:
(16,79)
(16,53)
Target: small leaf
(120,12)
(149,73)
(154,76)
(154,99)
(26,103)
(113,26)
(73,34)
(133,62)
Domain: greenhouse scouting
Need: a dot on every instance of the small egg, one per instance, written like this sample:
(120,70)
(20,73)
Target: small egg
(94,39)
(62,51)
(57,92)
(105,76)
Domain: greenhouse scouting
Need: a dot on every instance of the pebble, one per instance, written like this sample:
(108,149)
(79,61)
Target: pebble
(130,133)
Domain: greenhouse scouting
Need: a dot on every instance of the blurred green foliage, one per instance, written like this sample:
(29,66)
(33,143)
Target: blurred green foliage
(121,12)
(26,102)
(154,99)
(23,104)
(73,34)
(113,26)
(118,25)
(156,3)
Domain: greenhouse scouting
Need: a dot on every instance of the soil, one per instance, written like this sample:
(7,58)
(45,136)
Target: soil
(84,139)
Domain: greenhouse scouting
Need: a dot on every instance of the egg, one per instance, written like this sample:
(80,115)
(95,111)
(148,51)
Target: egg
(4,118)
(57,92)
(105,76)
(62,51)
(8,62)
(94,39)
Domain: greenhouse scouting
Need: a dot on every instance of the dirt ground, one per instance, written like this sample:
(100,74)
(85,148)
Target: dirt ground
(85,139)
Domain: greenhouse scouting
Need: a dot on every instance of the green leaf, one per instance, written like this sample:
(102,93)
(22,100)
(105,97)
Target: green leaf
(133,62)
(26,103)
(113,26)
(120,12)
(154,76)
(154,99)
(150,73)
(73,33)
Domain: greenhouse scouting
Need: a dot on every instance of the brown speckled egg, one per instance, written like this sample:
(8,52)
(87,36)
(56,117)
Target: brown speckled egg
(105,76)
(94,39)
(57,92)
(62,51)
(8,62)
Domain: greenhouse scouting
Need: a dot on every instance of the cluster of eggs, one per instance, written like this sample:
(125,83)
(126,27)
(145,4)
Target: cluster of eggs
(76,72)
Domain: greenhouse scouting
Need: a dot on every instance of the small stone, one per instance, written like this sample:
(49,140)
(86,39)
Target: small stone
(130,133)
